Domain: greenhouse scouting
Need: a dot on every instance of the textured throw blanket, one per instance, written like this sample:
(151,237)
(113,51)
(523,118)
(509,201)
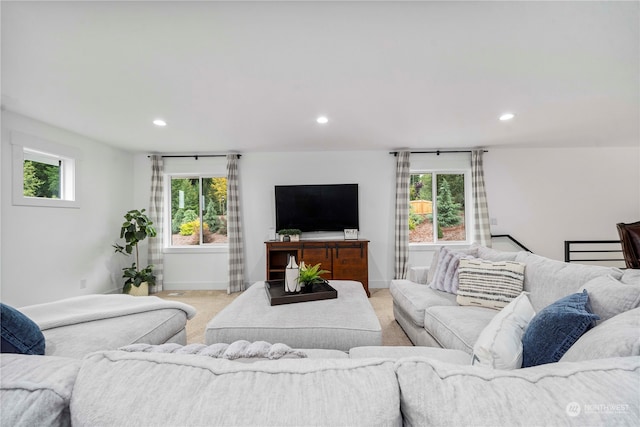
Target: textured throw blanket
(88,308)
(236,350)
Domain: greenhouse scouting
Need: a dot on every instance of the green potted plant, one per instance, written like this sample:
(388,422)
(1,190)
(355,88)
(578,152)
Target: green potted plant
(135,229)
(310,275)
(289,234)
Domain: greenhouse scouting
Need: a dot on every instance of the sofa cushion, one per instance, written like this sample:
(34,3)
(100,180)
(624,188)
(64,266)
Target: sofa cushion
(19,334)
(602,392)
(500,342)
(171,389)
(548,280)
(631,276)
(36,390)
(491,284)
(609,297)
(413,298)
(555,328)
(457,327)
(457,357)
(494,255)
(616,337)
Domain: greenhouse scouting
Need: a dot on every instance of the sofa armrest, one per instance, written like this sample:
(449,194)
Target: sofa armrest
(419,274)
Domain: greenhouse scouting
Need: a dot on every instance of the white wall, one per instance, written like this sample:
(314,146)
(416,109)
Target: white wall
(259,173)
(544,196)
(46,252)
(540,196)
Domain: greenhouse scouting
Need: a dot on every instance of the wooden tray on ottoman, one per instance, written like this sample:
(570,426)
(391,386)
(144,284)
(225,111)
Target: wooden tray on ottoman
(277,295)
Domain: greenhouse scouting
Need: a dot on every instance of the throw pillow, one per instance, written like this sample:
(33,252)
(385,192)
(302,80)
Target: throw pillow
(499,345)
(609,297)
(19,333)
(556,328)
(489,284)
(446,276)
(617,337)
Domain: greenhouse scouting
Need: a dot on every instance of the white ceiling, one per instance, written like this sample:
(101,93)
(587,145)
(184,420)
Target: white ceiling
(253,76)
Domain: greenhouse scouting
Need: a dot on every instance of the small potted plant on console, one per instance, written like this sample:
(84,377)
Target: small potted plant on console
(289,234)
(309,276)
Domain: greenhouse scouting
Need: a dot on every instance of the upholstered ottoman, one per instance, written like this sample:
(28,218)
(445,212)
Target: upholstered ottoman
(341,323)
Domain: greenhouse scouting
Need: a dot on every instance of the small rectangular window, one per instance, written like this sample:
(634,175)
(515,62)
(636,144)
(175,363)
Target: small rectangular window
(44,173)
(195,201)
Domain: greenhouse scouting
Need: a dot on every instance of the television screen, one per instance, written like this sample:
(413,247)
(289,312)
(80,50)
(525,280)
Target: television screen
(330,207)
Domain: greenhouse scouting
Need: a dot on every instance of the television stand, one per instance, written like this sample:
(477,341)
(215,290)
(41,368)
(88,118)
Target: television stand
(345,259)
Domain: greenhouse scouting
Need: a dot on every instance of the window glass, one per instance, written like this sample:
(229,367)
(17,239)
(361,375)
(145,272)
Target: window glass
(440,218)
(198,210)
(41,175)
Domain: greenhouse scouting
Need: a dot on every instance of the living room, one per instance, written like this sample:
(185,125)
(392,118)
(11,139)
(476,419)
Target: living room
(377,94)
(551,181)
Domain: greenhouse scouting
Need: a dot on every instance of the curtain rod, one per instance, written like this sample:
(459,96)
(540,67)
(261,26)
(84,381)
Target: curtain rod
(195,156)
(437,152)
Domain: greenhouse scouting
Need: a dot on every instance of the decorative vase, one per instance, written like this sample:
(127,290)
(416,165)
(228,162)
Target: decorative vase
(291,276)
(295,237)
(140,291)
(307,288)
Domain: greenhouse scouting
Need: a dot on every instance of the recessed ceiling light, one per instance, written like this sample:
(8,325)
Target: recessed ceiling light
(507,116)
(159,122)
(322,120)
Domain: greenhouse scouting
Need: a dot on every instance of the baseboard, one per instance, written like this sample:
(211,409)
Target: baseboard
(195,286)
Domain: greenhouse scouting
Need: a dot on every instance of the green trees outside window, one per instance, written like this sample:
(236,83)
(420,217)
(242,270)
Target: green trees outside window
(198,210)
(41,180)
(443,220)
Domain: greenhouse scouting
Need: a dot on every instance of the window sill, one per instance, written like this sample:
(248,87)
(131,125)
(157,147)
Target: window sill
(223,248)
(417,247)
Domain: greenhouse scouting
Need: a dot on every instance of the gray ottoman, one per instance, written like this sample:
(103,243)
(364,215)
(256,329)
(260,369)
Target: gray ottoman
(341,323)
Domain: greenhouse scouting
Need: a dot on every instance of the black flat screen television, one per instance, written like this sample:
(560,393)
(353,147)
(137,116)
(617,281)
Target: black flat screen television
(329,207)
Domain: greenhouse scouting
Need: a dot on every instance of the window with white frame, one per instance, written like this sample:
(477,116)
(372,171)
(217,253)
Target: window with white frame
(440,199)
(44,172)
(438,207)
(198,210)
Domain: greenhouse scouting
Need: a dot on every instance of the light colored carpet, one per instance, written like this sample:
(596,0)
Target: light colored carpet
(210,303)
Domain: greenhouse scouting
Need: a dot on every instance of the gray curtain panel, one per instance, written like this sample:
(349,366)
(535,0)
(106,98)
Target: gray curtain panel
(156,212)
(481,228)
(234,227)
(402,214)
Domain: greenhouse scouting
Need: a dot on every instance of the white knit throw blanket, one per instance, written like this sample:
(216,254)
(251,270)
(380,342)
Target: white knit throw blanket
(88,308)
(236,350)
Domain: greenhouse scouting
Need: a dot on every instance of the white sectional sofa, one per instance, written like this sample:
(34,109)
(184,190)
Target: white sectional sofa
(417,386)
(433,317)
(597,382)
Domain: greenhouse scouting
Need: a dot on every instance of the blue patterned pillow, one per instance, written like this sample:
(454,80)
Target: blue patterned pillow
(556,328)
(19,333)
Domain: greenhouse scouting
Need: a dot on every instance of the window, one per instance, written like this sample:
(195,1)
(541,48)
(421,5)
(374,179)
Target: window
(443,217)
(44,173)
(196,201)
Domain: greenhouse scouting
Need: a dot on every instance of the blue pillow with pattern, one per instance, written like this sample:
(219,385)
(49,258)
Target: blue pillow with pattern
(19,333)
(556,328)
